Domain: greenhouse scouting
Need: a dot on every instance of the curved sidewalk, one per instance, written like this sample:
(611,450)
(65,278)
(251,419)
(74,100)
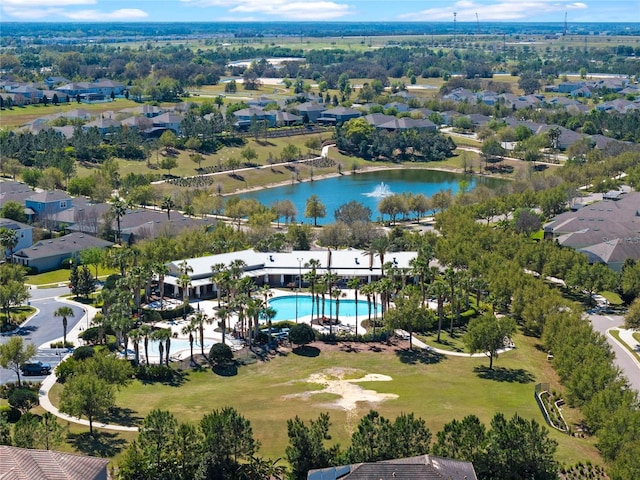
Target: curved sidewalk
(421,344)
(628,341)
(50,381)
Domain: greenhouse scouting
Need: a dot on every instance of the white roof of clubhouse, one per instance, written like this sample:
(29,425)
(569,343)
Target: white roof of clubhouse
(345,263)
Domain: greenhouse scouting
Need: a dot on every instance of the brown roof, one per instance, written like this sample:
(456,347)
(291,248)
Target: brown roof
(26,464)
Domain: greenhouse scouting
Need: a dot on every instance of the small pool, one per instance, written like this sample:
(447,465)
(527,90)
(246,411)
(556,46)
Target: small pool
(177,345)
(285,307)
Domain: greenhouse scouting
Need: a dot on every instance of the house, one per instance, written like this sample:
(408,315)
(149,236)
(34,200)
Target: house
(27,464)
(48,203)
(312,110)
(141,223)
(281,269)
(16,192)
(245,116)
(104,125)
(53,81)
(584,92)
(567,137)
(461,95)
(24,233)
(420,467)
(338,115)
(408,124)
(568,87)
(47,255)
(608,231)
(378,119)
(399,107)
(168,121)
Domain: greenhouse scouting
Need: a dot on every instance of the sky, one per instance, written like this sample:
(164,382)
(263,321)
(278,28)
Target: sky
(319,10)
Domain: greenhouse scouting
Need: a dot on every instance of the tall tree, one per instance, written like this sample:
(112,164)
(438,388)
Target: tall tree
(315,209)
(118,210)
(488,334)
(14,354)
(87,395)
(306,449)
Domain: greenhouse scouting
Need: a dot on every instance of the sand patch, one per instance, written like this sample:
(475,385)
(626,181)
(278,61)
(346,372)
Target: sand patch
(343,382)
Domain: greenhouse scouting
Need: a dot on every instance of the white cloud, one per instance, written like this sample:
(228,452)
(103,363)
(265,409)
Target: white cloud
(31,4)
(296,10)
(498,10)
(96,15)
(30,13)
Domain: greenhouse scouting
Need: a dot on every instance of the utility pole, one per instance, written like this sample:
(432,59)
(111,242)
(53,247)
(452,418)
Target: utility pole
(454,26)
(477,25)
(565,24)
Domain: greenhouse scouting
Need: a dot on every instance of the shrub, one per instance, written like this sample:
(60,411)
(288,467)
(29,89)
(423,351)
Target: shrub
(61,345)
(83,352)
(13,414)
(220,353)
(301,334)
(23,399)
(155,373)
(65,369)
(170,314)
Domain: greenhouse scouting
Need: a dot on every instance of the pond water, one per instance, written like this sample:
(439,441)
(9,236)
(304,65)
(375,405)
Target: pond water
(368,188)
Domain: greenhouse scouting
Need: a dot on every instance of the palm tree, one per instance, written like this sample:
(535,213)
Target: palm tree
(354,284)
(330,279)
(118,210)
(269,313)
(64,312)
(367,290)
(136,335)
(161,270)
(223,315)
(146,332)
(189,329)
(168,204)
(378,247)
(254,308)
(200,319)
(420,268)
(162,335)
(312,277)
(338,294)
(216,277)
(439,289)
(451,277)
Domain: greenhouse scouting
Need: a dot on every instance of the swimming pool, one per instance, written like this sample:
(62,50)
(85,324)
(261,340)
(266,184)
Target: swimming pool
(285,307)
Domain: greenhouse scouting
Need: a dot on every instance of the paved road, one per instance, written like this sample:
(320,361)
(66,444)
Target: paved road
(42,329)
(602,323)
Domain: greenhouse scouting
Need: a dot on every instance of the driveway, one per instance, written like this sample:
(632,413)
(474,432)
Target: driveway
(41,330)
(623,359)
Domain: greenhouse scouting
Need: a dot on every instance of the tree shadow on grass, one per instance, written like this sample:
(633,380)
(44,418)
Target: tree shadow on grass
(501,374)
(226,370)
(121,416)
(306,351)
(416,356)
(102,444)
(177,379)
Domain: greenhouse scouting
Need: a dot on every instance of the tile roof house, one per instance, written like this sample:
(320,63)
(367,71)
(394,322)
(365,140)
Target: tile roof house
(608,231)
(423,467)
(29,464)
(47,255)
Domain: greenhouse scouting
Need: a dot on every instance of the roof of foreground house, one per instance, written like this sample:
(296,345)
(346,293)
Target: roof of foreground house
(74,242)
(28,464)
(423,467)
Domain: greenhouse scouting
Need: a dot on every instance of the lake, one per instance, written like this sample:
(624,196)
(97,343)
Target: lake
(368,188)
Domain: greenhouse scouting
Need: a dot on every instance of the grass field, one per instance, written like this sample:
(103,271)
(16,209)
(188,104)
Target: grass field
(62,275)
(616,334)
(437,389)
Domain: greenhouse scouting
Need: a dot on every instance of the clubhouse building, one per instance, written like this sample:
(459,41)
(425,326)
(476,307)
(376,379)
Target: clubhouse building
(282,270)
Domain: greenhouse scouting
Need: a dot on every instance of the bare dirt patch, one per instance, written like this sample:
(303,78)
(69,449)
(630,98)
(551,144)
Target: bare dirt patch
(343,382)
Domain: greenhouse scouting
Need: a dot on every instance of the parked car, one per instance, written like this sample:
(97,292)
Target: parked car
(37,368)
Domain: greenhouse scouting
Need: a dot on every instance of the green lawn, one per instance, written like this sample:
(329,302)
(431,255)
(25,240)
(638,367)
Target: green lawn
(437,390)
(447,342)
(612,297)
(62,276)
